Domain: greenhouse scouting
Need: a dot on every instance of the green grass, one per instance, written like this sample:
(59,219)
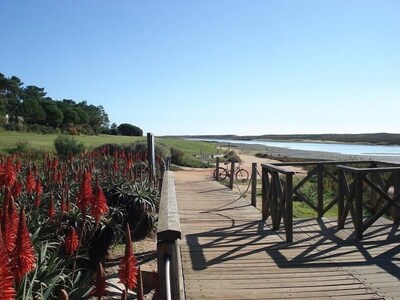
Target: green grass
(190,147)
(8,140)
(302,210)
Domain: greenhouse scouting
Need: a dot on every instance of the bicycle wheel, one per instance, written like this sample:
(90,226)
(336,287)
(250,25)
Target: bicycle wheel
(222,173)
(242,175)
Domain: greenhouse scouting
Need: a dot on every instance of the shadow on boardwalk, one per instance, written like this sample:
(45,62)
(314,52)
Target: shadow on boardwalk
(229,253)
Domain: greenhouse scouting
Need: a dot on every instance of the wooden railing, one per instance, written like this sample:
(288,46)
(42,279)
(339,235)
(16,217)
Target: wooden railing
(168,236)
(279,188)
(368,190)
(277,197)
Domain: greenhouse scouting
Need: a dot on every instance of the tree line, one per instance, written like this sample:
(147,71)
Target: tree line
(29,108)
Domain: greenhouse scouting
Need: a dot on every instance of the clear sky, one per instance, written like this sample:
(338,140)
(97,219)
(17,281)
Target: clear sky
(214,66)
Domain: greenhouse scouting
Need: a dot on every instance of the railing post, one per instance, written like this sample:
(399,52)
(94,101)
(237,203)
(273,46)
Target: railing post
(151,157)
(374,201)
(358,203)
(395,213)
(275,215)
(231,175)
(289,207)
(162,278)
(320,187)
(216,169)
(341,187)
(265,188)
(254,184)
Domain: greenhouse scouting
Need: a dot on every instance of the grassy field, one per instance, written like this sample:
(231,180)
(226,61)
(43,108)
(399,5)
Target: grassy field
(9,140)
(190,147)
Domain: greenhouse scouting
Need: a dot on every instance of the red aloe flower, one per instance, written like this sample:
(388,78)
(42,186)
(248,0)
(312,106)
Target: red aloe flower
(85,194)
(9,224)
(18,166)
(54,179)
(71,241)
(127,269)
(59,177)
(51,212)
(115,165)
(68,204)
(63,205)
(8,175)
(16,189)
(23,256)
(129,162)
(99,204)
(55,163)
(39,188)
(7,291)
(100,286)
(30,182)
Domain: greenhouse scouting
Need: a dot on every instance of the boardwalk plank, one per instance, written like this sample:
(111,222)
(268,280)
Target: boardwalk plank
(228,253)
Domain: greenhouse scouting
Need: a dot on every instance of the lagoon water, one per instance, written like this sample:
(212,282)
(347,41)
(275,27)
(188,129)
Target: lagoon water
(342,148)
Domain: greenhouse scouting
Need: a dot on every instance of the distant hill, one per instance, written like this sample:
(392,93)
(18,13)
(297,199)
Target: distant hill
(373,138)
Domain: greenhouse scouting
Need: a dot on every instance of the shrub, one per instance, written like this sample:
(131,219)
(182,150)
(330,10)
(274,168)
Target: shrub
(129,130)
(86,129)
(67,146)
(231,156)
(181,159)
(161,149)
(20,147)
(176,156)
(73,131)
(14,127)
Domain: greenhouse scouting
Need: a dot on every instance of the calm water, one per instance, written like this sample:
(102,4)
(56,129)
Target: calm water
(350,149)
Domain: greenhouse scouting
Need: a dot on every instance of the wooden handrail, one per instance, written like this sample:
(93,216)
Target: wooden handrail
(367,170)
(168,251)
(277,168)
(169,228)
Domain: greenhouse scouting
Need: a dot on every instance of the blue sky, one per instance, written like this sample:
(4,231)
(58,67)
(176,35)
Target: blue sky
(214,67)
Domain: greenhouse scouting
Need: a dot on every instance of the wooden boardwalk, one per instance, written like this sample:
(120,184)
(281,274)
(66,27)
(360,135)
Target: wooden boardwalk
(228,253)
